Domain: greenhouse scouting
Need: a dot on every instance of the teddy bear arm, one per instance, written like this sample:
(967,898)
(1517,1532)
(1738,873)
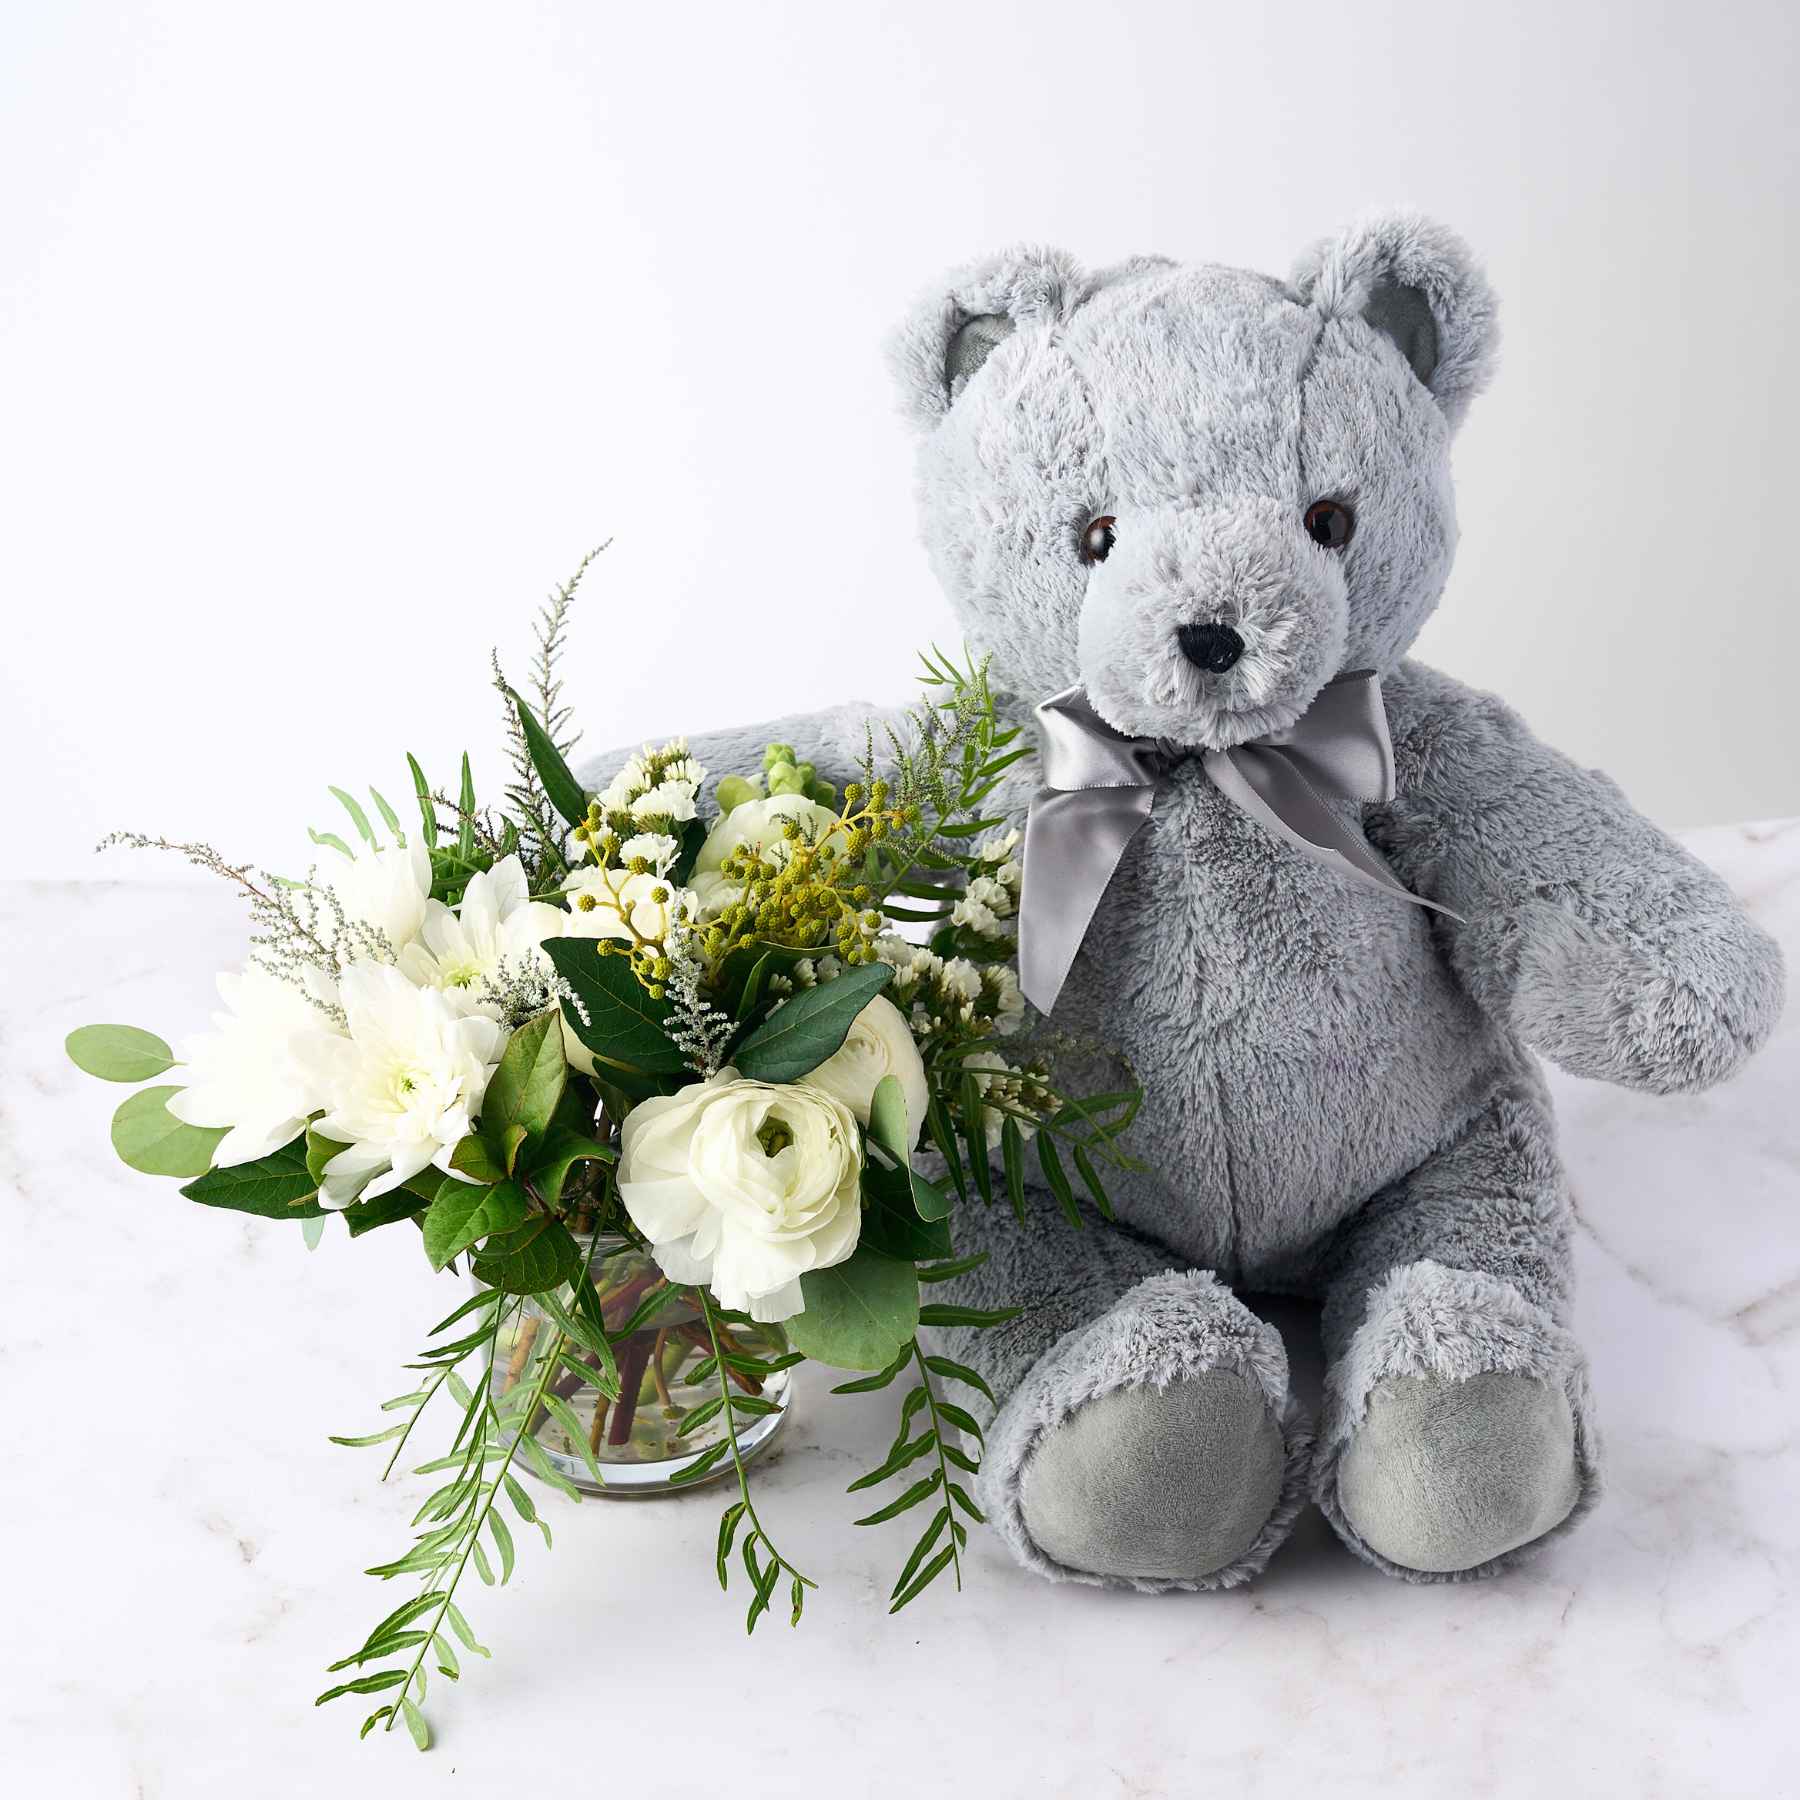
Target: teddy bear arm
(1585,929)
(833,740)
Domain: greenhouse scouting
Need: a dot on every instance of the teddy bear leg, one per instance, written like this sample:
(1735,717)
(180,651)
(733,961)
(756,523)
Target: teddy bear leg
(1145,1436)
(1457,1434)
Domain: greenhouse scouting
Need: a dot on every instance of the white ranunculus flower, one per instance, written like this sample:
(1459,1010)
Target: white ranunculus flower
(403,1087)
(745,1186)
(247,1073)
(385,888)
(498,926)
(878,1043)
(755,825)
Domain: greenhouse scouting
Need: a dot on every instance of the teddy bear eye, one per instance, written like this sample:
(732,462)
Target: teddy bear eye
(1098,540)
(1330,523)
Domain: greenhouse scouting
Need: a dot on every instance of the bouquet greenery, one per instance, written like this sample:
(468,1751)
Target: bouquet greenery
(656,1064)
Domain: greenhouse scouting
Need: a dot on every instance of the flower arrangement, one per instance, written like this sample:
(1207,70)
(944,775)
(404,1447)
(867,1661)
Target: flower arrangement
(709,1027)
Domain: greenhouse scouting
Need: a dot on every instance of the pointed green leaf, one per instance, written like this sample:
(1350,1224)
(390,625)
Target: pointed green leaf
(531,1258)
(528,1080)
(277,1186)
(561,1150)
(1012,1151)
(623,1024)
(802,1032)
(358,817)
(389,817)
(564,792)
(427,811)
(920,1490)
(464,1214)
(465,836)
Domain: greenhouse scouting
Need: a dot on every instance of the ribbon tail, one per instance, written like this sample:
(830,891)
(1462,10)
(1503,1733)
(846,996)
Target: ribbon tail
(1327,840)
(1073,843)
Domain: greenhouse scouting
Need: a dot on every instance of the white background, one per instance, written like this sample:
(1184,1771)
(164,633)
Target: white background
(333,334)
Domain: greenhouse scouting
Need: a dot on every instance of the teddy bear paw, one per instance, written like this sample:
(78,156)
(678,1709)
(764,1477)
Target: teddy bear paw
(1444,1476)
(1170,1484)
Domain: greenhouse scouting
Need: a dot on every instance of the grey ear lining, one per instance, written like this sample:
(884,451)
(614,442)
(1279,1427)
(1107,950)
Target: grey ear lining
(1402,314)
(974,341)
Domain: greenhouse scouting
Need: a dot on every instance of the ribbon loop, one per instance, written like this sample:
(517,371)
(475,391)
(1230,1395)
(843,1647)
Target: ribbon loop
(1100,787)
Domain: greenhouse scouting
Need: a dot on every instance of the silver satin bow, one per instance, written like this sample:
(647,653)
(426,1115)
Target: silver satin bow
(1100,785)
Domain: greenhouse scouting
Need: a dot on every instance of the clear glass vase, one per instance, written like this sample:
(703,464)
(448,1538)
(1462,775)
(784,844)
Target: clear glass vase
(633,1438)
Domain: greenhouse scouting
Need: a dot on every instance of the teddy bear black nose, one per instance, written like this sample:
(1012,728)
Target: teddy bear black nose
(1213,648)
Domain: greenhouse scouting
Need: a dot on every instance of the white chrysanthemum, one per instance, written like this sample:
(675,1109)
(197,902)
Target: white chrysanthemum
(497,928)
(745,1186)
(879,1042)
(403,1087)
(247,1073)
(385,889)
(755,825)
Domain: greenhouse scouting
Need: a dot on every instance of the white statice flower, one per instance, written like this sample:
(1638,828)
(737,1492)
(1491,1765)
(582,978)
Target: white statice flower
(960,979)
(745,1186)
(249,1074)
(879,1042)
(1002,985)
(998,846)
(496,931)
(668,800)
(999,1082)
(973,916)
(657,848)
(991,893)
(385,889)
(755,825)
(656,785)
(402,1086)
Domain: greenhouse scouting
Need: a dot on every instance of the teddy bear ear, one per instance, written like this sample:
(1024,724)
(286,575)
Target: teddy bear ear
(1417,283)
(957,323)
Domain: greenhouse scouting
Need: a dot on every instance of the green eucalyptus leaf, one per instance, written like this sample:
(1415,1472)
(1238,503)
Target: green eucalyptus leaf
(802,1032)
(277,1186)
(859,1314)
(624,1025)
(150,1139)
(118,1052)
(464,1214)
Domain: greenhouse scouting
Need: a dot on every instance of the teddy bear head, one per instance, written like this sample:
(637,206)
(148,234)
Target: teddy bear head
(1200,493)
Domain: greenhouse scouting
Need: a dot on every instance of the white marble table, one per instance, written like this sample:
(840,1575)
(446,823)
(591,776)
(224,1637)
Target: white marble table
(183,1546)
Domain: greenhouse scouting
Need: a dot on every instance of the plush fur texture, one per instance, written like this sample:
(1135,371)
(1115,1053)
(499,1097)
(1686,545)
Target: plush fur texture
(1340,1096)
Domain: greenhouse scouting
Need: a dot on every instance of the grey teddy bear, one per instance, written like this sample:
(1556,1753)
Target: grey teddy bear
(1201,494)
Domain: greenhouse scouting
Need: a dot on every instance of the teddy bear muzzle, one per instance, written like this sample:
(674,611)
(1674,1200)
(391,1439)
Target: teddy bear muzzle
(1210,623)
